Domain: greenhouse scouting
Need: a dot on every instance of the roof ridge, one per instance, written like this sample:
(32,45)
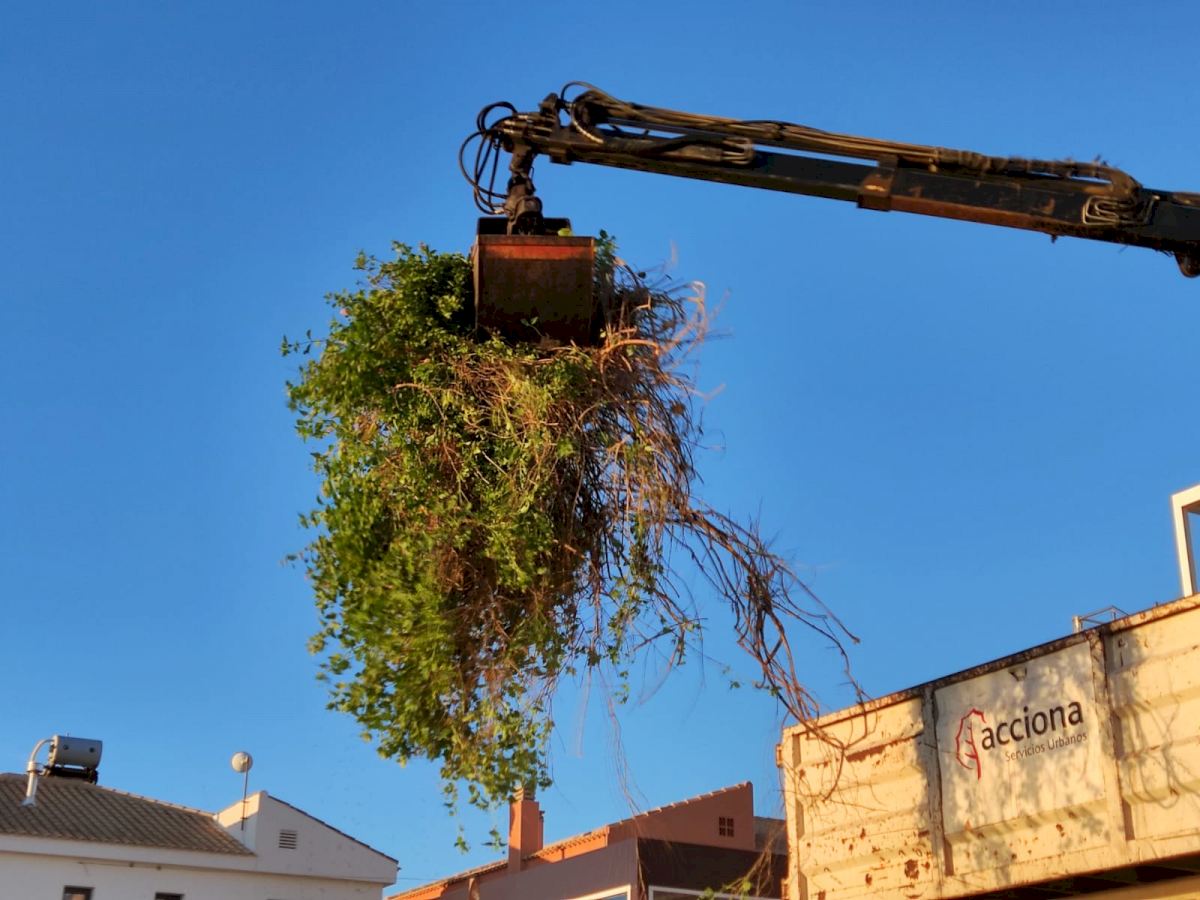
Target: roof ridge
(585,835)
(684,802)
(450,879)
(579,838)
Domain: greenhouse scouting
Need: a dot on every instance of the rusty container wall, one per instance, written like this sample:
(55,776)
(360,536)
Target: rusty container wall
(1077,761)
(1154,692)
(534,287)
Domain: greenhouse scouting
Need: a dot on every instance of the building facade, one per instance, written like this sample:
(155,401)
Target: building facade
(711,843)
(81,841)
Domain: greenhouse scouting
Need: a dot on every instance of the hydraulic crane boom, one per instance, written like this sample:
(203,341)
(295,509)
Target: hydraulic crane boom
(1084,200)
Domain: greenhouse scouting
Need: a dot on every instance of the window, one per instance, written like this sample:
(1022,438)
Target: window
(725,826)
(160,895)
(287,839)
(71,892)
(621,893)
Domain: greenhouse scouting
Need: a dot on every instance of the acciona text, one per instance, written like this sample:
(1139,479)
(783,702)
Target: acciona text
(1026,726)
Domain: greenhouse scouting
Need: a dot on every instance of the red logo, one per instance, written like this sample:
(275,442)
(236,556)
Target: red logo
(965,750)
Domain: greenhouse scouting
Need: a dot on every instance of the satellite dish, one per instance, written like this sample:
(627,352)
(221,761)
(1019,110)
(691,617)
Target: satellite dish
(241,763)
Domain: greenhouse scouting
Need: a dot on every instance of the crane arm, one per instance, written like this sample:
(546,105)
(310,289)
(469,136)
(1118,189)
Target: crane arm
(1060,198)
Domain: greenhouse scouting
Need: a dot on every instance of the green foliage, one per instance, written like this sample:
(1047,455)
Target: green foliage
(424,484)
(495,516)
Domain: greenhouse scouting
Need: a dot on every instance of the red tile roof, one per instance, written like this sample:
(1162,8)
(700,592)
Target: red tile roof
(73,810)
(767,833)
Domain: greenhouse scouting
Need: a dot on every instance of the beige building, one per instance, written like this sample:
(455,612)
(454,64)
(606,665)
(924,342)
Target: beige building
(81,841)
(711,843)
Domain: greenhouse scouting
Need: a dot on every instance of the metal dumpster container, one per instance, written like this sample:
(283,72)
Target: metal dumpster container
(1069,768)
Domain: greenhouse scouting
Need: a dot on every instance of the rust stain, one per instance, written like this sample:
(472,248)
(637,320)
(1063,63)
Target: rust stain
(911,869)
(860,755)
(869,879)
(820,895)
(1061,830)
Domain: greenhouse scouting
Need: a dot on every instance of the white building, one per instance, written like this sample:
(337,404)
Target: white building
(82,841)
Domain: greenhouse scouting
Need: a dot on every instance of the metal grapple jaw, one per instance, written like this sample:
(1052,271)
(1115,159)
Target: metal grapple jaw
(535,288)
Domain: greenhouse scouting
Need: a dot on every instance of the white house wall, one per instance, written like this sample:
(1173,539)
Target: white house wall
(24,876)
(320,851)
(325,864)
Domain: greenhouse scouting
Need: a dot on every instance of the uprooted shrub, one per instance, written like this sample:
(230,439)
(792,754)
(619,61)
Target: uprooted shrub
(496,516)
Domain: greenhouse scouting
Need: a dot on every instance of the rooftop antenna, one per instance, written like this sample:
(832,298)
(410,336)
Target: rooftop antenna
(242,762)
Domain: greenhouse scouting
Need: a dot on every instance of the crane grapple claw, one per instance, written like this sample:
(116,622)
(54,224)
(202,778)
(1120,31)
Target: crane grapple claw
(535,288)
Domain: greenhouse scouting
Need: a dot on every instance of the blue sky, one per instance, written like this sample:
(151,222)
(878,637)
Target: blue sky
(962,435)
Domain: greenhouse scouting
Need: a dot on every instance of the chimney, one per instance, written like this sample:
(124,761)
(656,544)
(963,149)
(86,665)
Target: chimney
(524,828)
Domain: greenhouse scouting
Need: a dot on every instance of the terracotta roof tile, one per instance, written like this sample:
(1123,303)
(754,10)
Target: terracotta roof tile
(70,809)
(740,786)
(435,888)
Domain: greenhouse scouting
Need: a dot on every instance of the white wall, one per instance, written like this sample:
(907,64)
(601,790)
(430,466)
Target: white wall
(26,876)
(320,851)
(325,864)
